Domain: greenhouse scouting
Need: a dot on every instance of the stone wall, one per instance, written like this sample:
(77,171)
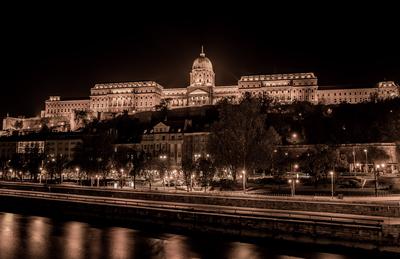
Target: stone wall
(379,237)
(372,209)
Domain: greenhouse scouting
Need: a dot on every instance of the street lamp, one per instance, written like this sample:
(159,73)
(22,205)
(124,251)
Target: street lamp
(376,179)
(163,158)
(358,165)
(366,160)
(244,180)
(122,174)
(196,156)
(40,174)
(191,181)
(272,160)
(332,174)
(294,167)
(293,183)
(77,172)
(354,161)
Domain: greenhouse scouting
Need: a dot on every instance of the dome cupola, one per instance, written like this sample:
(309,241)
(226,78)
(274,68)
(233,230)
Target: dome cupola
(202,62)
(202,71)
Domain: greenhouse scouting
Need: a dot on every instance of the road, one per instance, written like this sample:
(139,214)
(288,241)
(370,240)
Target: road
(393,200)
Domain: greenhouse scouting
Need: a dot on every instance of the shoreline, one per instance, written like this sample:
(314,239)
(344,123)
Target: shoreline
(243,227)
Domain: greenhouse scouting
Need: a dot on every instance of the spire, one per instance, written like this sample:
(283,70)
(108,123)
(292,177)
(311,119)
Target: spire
(202,54)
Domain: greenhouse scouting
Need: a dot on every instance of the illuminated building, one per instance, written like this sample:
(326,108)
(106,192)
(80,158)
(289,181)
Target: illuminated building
(109,99)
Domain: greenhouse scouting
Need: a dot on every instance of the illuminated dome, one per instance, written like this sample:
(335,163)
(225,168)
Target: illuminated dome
(202,62)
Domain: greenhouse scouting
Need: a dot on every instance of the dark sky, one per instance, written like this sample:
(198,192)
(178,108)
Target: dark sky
(65,50)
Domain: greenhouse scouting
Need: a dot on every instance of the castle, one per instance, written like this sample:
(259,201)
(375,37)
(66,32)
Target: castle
(116,98)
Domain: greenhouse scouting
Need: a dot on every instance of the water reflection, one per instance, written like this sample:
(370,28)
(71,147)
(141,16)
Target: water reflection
(121,243)
(74,240)
(38,234)
(9,235)
(177,247)
(40,237)
(244,251)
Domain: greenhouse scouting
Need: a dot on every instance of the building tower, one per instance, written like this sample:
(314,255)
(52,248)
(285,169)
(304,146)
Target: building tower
(202,71)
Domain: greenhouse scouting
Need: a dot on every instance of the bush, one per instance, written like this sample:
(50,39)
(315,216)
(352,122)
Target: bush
(270,181)
(224,184)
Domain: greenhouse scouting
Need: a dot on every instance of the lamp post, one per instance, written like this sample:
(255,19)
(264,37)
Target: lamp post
(120,179)
(354,161)
(376,179)
(77,174)
(358,166)
(294,167)
(244,180)
(196,156)
(294,137)
(366,160)
(331,174)
(191,181)
(293,181)
(163,158)
(40,174)
(272,160)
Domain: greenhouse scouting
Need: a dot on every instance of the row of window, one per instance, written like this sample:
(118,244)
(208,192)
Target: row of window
(64,110)
(67,105)
(255,78)
(350,100)
(345,93)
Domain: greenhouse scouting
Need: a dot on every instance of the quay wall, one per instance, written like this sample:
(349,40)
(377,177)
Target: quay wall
(366,236)
(334,206)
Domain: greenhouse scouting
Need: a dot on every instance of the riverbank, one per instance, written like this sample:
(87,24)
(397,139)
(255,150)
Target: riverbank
(345,230)
(31,236)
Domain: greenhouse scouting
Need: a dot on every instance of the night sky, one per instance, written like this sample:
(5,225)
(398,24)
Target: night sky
(65,50)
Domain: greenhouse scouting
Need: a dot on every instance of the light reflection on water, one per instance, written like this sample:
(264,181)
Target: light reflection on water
(40,237)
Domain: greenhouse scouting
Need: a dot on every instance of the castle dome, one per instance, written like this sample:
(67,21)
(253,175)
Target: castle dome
(202,62)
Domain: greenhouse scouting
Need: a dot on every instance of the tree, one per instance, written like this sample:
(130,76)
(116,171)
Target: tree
(133,161)
(206,170)
(81,119)
(16,163)
(188,168)
(54,165)
(33,161)
(240,138)
(163,108)
(150,163)
(94,154)
(318,161)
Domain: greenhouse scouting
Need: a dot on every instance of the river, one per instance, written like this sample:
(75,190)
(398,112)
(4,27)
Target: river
(26,236)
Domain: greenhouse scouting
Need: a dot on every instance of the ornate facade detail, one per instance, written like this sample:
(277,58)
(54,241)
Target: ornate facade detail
(108,99)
